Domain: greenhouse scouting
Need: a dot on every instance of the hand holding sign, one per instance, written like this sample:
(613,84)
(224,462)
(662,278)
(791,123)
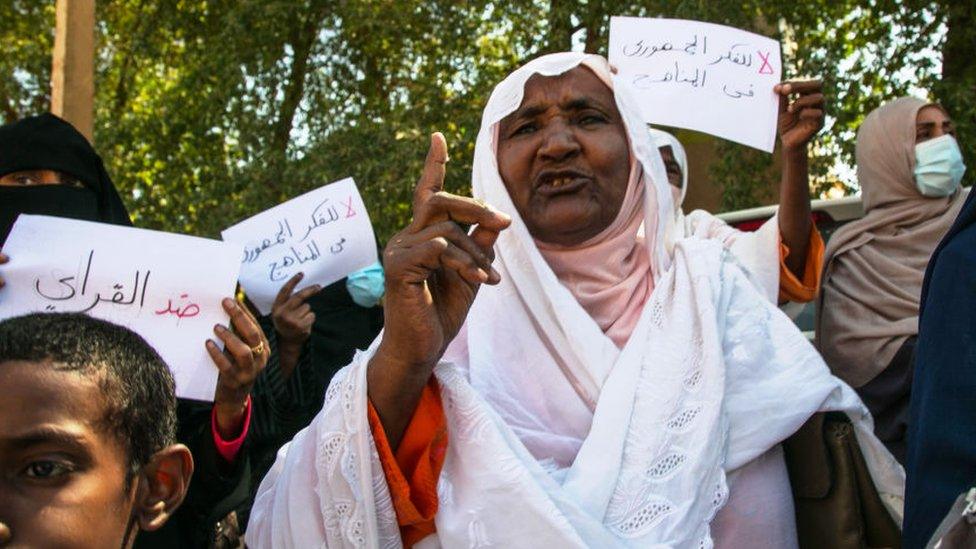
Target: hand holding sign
(799,121)
(700,76)
(293,320)
(292,316)
(165,287)
(246,353)
(325,234)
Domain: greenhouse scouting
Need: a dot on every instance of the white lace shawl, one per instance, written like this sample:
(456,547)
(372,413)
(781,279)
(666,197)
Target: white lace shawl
(757,251)
(712,377)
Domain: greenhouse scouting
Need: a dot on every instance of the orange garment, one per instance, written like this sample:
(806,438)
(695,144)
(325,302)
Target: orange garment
(412,472)
(793,289)
(424,444)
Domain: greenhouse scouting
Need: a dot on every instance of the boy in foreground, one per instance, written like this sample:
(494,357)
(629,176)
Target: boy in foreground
(87,432)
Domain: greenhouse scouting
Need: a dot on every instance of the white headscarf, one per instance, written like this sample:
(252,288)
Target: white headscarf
(663,139)
(558,438)
(568,336)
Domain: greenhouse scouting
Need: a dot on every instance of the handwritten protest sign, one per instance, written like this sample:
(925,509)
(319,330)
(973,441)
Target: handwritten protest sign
(700,76)
(165,287)
(325,233)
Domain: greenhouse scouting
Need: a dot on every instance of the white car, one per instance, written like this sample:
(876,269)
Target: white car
(828,215)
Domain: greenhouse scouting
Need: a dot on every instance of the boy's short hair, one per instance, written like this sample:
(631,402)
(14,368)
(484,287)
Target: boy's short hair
(137,385)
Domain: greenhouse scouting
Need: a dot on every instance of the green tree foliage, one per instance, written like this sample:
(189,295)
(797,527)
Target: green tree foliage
(209,111)
(866,52)
(26,43)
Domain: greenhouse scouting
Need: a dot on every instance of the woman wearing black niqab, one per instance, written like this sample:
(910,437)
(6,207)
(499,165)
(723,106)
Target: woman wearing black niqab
(46,149)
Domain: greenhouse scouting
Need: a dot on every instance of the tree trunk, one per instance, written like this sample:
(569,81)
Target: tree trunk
(128,59)
(958,86)
(596,23)
(560,26)
(73,64)
(302,41)
(957,54)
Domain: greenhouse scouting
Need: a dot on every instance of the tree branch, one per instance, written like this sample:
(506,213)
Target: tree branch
(594,26)
(9,112)
(560,26)
(302,40)
(125,71)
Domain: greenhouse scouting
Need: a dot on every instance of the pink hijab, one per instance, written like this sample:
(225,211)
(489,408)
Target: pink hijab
(609,274)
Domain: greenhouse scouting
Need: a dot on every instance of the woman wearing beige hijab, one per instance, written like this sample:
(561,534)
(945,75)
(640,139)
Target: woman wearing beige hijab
(909,168)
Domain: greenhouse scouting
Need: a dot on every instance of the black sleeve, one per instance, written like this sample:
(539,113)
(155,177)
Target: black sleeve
(285,406)
(887,397)
(216,488)
(279,402)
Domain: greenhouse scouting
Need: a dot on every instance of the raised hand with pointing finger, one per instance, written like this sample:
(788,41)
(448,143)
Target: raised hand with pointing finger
(433,272)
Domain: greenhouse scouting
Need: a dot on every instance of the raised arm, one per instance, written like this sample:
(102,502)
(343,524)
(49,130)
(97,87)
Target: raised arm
(798,123)
(433,272)
(293,319)
(245,354)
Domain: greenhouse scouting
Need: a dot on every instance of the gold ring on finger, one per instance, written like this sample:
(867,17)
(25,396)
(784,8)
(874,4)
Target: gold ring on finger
(258,349)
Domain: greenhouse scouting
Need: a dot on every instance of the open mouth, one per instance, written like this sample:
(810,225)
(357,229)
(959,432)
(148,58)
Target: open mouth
(562,182)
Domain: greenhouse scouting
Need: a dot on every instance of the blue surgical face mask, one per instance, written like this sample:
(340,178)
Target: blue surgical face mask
(367,285)
(938,166)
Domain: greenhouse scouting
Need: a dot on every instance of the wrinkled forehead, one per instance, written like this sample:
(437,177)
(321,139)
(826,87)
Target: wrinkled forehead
(510,93)
(574,90)
(508,96)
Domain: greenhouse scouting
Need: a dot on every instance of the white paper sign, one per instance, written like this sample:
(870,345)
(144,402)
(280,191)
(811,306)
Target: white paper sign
(701,76)
(165,287)
(325,233)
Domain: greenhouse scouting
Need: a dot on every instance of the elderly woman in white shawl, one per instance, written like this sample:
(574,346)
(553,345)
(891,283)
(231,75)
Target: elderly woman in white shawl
(605,389)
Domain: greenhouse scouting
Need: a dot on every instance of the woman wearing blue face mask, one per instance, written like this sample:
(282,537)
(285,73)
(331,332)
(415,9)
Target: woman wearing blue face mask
(909,168)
